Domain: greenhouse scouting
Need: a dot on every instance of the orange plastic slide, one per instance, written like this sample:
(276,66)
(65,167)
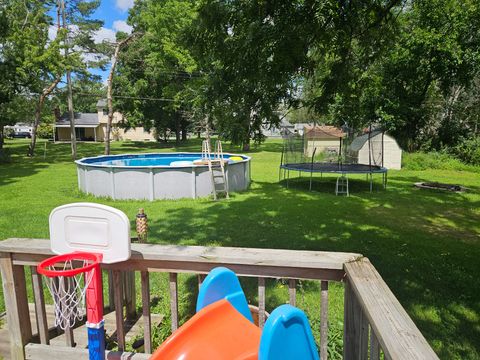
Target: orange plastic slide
(217,332)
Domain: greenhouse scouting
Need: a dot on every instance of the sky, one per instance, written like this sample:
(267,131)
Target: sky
(114,14)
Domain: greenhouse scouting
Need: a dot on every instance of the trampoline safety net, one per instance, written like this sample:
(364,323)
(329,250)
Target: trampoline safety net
(326,149)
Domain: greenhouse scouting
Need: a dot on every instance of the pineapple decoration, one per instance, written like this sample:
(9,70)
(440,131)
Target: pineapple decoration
(141,226)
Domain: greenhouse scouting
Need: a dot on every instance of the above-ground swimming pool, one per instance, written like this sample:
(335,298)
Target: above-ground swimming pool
(157,176)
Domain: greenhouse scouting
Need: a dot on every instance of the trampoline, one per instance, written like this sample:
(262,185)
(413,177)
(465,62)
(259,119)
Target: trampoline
(340,157)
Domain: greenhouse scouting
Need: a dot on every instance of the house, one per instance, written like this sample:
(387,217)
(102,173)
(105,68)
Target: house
(277,131)
(323,138)
(383,150)
(93,127)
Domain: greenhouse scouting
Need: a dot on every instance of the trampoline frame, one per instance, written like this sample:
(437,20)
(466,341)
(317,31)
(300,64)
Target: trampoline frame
(343,170)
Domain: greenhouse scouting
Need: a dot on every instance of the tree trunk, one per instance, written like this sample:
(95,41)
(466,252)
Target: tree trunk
(177,127)
(109,91)
(184,133)
(38,115)
(1,136)
(71,115)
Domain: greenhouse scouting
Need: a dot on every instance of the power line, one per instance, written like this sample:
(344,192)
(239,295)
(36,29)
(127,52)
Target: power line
(126,97)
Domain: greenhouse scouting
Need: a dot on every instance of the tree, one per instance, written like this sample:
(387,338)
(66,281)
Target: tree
(42,66)
(254,53)
(113,65)
(78,43)
(156,73)
(10,57)
(410,78)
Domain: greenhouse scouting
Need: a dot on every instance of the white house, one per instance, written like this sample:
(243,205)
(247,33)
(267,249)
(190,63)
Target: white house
(382,147)
(93,127)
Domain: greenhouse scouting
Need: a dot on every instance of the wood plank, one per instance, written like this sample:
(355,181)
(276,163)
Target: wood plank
(111,294)
(134,330)
(16,304)
(323,320)
(261,302)
(374,346)
(174,300)
(147,319)
(39,351)
(292,292)
(355,335)
(398,335)
(118,299)
(40,313)
(202,254)
(200,278)
(192,267)
(130,294)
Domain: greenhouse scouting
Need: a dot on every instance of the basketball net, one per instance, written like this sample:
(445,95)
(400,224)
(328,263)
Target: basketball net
(68,288)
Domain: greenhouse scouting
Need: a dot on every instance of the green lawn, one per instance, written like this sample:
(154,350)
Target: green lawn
(425,244)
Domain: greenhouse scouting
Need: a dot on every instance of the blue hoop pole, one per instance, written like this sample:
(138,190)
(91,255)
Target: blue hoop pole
(96,341)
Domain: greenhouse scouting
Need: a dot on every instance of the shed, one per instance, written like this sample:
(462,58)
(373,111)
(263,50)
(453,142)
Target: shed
(324,138)
(384,152)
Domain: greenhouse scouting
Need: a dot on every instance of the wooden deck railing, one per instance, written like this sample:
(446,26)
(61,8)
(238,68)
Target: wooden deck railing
(374,320)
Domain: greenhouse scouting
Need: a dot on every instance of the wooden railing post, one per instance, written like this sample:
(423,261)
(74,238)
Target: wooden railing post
(118,292)
(174,300)
(292,292)
(323,320)
(40,313)
(261,302)
(355,328)
(16,303)
(374,346)
(130,294)
(147,319)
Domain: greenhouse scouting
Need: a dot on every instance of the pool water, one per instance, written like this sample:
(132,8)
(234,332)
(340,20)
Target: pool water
(145,160)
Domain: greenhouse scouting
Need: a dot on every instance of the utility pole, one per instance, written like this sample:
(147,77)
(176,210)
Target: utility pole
(71,115)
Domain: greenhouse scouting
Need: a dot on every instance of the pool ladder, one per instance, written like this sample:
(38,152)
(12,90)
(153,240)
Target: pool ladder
(216,167)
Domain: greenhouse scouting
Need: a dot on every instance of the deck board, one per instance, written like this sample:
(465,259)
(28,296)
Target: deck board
(133,329)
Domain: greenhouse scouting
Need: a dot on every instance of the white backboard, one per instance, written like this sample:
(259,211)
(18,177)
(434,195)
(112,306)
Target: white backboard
(90,227)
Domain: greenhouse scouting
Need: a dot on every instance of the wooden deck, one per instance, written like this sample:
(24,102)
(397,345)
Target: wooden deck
(375,324)
(133,329)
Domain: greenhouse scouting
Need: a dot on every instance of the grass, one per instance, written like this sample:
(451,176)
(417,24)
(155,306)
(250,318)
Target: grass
(425,244)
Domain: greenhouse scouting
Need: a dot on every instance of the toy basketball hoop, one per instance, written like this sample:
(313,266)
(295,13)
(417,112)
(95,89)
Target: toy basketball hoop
(70,276)
(83,235)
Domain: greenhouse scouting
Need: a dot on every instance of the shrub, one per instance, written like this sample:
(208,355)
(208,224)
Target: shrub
(468,151)
(434,160)
(45,131)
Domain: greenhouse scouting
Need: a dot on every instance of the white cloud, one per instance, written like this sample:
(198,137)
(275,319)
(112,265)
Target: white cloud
(52,32)
(104,34)
(124,5)
(120,25)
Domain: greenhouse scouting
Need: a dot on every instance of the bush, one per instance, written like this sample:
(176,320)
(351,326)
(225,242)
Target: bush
(468,151)
(434,160)
(45,131)
(8,133)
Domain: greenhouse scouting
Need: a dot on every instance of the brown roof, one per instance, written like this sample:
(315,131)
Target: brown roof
(323,131)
